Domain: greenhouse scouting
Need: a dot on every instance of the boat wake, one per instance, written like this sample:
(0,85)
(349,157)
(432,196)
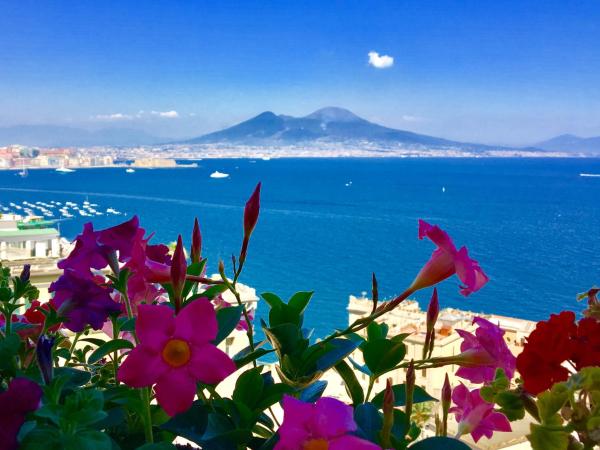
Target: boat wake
(590,175)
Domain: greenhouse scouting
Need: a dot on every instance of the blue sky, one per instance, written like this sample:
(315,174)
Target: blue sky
(510,72)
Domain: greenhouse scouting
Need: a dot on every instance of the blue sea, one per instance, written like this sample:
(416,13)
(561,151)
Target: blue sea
(326,224)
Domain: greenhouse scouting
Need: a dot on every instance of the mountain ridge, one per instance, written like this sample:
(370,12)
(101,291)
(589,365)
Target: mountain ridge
(571,143)
(326,124)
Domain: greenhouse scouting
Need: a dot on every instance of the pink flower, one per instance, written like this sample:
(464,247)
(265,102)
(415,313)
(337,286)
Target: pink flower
(175,352)
(221,303)
(476,416)
(486,345)
(251,212)
(447,261)
(324,425)
(21,397)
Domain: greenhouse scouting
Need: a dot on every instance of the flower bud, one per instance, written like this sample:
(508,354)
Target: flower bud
(388,413)
(432,315)
(251,211)
(446,400)
(410,388)
(178,272)
(25,273)
(43,352)
(196,249)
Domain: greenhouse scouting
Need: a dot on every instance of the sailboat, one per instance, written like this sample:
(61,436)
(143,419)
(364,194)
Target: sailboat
(23,173)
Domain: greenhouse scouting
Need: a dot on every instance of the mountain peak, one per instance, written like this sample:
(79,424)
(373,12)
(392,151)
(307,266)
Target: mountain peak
(333,114)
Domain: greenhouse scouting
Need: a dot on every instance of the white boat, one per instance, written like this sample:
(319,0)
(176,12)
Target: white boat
(217,174)
(64,170)
(130,170)
(589,174)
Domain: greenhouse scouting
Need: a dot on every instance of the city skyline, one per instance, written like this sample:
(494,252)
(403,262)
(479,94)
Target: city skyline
(185,69)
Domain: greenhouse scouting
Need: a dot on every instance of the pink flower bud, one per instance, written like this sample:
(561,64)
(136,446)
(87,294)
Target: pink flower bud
(178,272)
(388,398)
(251,211)
(433,310)
(196,249)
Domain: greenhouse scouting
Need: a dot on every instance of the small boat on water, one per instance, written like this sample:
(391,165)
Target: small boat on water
(64,170)
(130,170)
(217,174)
(589,174)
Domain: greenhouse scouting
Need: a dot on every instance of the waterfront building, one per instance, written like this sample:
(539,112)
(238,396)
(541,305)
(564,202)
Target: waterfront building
(26,238)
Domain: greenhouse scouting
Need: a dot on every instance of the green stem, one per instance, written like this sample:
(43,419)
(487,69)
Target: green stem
(370,388)
(7,322)
(72,348)
(145,394)
(116,352)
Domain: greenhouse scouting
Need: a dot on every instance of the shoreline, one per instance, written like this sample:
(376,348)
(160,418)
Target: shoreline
(265,158)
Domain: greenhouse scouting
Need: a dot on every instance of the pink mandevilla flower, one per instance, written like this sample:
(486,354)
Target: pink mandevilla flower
(324,425)
(446,261)
(175,352)
(476,416)
(487,346)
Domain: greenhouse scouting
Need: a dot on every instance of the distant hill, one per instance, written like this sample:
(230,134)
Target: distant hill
(325,125)
(572,143)
(59,136)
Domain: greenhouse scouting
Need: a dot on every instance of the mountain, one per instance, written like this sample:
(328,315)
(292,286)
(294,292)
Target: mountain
(325,125)
(59,136)
(572,143)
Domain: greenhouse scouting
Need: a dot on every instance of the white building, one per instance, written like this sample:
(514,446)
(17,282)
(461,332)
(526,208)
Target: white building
(27,238)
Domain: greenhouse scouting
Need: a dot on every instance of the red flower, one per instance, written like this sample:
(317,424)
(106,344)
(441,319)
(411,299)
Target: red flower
(587,348)
(548,347)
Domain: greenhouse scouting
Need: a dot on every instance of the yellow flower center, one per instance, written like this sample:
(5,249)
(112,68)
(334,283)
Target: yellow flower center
(176,353)
(316,444)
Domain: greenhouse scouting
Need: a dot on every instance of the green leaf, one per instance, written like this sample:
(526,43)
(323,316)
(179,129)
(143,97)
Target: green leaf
(249,387)
(439,443)
(75,377)
(368,420)
(550,402)
(353,387)
(299,301)
(211,292)
(272,300)
(361,368)
(227,318)
(382,355)
(244,357)
(419,396)
(190,424)
(377,331)
(88,440)
(313,392)
(543,438)
(337,350)
(9,347)
(109,347)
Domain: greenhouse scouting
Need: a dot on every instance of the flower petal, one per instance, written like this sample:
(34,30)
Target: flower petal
(333,418)
(197,322)
(142,367)
(209,364)
(175,391)
(469,272)
(352,442)
(154,325)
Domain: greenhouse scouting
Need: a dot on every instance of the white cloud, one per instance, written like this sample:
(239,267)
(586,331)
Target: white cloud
(141,114)
(409,118)
(114,116)
(380,61)
(168,114)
